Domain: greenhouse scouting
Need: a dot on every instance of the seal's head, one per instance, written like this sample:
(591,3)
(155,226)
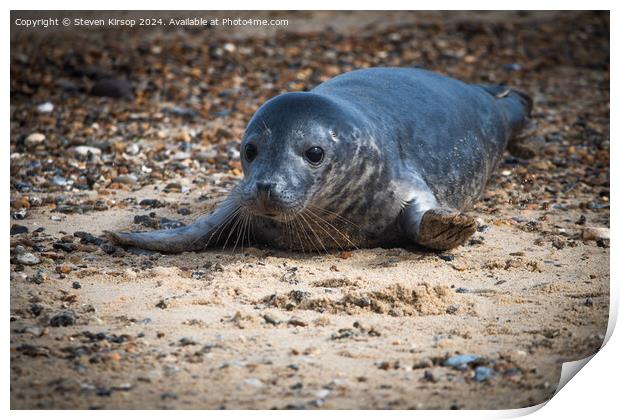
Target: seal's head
(293,145)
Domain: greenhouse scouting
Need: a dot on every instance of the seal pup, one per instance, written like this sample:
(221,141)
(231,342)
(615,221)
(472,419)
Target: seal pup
(376,157)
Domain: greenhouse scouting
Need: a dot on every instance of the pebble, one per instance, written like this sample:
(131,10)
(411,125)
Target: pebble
(595,233)
(76,285)
(36,309)
(253,382)
(63,319)
(423,364)
(132,149)
(129,179)
(429,376)
(146,221)
(60,181)
(296,322)
(460,361)
(85,151)
(27,258)
(173,187)
(35,331)
(35,139)
(483,373)
(19,214)
(63,269)
(162,304)
(181,112)
(112,88)
(270,319)
(18,229)
(166,223)
(45,107)
(39,276)
(151,203)
(64,246)
(109,249)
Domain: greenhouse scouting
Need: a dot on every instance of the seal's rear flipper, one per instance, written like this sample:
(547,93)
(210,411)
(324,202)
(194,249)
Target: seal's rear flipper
(438,228)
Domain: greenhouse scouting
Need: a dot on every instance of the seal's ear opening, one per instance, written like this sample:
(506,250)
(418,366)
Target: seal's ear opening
(526,100)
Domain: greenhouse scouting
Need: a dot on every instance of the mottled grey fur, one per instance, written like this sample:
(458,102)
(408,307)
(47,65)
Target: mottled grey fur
(406,150)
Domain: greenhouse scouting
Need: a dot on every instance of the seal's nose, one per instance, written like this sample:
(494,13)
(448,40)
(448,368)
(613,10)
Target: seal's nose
(264,188)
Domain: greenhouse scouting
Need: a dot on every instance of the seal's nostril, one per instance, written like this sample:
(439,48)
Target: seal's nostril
(264,187)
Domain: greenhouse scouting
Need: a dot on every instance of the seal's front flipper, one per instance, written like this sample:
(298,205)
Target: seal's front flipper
(171,241)
(195,237)
(438,228)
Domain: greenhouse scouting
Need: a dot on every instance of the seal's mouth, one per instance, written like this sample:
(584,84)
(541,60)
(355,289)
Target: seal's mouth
(273,210)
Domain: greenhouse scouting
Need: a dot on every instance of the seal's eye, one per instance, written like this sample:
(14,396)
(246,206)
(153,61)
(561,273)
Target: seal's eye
(250,152)
(314,155)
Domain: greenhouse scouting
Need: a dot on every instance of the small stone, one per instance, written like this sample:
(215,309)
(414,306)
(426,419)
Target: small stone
(76,285)
(112,88)
(162,304)
(363,302)
(27,258)
(122,387)
(253,382)
(184,211)
(64,246)
(132,149)
(39,276)
(128,179)
(296,322)
(59,180)
(146,221)
(429,376)
(63,269)
(35,139)
(151,203)
(460,361)
(589,302)
(63,319)
(166,223)
(173,187)
(19,214)
(452,309)
(270,319)
(108,249)
(36,309)
(85,151)
(18,229)
(511,67)
(45,107)
(322,393)
(168,396)
(35,331)
(185,341)
(595,233)
(423,364)
(483,373)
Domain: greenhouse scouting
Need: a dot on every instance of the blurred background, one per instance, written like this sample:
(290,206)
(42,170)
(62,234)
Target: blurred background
(183,95)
